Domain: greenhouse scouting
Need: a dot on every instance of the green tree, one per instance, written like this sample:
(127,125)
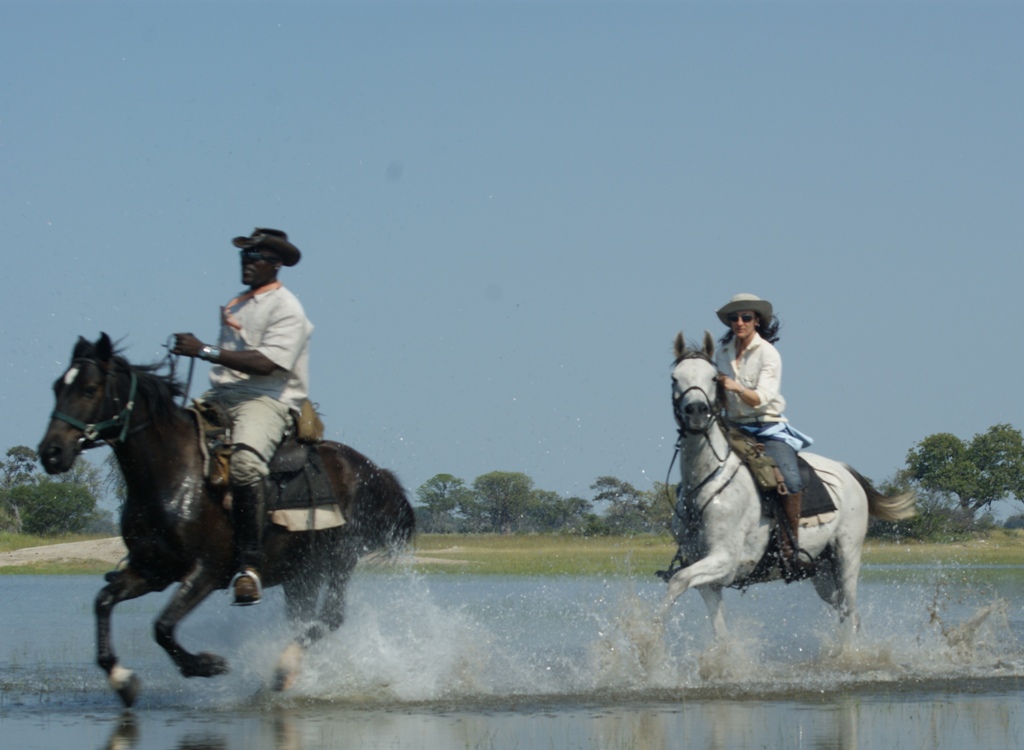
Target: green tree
(51,507)
(659,502)
(977,473)
(505,497)
(627,507)
(549,511)
(19,469)
(443,495)
(33,503)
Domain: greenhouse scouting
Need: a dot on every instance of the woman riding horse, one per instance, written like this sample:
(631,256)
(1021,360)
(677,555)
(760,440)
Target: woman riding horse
(751,375)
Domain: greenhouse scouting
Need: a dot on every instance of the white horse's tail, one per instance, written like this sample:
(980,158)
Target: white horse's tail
(884,507)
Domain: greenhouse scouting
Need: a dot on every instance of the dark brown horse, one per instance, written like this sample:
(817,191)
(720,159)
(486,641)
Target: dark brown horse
(176,528)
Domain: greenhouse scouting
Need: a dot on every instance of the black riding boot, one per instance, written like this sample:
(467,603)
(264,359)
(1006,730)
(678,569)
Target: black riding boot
(248,509)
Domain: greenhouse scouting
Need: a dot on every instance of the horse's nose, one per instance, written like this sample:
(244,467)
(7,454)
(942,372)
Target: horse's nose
(51,457)
(696,409)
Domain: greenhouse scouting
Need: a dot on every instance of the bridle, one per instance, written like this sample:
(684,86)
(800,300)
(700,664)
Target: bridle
(683,430)
(117,425)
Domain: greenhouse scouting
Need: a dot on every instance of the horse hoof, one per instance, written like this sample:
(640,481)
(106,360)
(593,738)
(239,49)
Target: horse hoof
(288,666)
(126,684)
(205,665)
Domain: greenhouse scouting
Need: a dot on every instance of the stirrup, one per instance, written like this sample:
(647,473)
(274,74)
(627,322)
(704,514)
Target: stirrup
(796,568)
(248,588)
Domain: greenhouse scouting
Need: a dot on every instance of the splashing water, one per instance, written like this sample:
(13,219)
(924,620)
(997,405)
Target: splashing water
(414,638)
(462,639)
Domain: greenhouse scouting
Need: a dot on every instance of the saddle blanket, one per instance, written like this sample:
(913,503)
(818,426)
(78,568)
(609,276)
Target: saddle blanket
(817,506)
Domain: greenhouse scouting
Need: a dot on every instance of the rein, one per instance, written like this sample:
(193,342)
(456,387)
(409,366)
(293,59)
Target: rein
(172,364)
(722,461)
(91,432)
(683,431)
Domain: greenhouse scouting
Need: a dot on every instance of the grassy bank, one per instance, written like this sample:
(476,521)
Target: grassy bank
(556,555)
(491,554)
(542,554)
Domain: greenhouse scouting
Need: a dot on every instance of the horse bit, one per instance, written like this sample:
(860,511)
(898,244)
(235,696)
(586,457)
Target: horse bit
(684,430)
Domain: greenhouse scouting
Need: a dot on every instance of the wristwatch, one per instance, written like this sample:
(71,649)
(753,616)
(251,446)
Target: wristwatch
(210,353)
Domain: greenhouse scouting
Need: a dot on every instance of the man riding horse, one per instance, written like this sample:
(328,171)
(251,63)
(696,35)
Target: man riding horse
(261,375)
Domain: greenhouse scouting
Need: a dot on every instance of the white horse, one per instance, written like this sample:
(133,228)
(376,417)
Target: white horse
(722,530)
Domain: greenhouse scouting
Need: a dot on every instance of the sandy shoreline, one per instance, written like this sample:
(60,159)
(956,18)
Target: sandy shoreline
(108,551)
(111,551)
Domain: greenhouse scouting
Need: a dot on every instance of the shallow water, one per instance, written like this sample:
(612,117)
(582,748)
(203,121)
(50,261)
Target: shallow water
(440,661)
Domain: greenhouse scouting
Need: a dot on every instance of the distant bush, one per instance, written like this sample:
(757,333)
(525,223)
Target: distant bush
(1014,522)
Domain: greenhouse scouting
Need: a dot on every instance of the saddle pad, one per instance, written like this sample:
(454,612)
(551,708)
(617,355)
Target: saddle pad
(309,519)
(298,477)
(816,500)
(306,488)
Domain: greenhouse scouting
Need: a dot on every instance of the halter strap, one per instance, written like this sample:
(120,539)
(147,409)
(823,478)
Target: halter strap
(94,431)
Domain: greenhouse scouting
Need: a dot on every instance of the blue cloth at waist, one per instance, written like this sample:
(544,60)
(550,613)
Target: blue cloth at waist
(783,431)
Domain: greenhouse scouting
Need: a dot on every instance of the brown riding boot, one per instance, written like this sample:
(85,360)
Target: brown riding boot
(790,542)
(248,509)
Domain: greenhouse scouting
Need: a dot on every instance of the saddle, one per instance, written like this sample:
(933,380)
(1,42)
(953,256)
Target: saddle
(770,484)
(299,493)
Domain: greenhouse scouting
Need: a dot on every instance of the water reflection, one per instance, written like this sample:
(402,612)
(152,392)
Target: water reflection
(829,723)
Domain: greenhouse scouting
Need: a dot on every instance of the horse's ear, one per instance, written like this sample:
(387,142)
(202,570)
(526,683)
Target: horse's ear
(104,349)
(709,345)
(82,347)
(680,345)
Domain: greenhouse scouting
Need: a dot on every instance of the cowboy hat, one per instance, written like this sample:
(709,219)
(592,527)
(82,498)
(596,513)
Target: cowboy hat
(746,302)
(273,240)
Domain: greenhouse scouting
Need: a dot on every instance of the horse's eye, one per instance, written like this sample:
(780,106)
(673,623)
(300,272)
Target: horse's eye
(90,391)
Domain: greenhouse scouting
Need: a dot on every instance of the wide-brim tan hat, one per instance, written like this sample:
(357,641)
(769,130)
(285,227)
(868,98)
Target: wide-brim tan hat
(746,302)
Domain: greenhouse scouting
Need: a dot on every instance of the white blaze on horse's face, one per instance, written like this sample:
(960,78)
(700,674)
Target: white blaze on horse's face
(70,375)
(694,388)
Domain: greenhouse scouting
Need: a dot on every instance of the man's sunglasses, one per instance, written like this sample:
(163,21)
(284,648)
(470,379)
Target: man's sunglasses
(252,255)
(745,317)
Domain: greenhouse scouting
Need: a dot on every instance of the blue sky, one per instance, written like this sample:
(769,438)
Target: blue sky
(508,209)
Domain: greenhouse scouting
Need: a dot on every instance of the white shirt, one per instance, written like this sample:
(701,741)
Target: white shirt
(274,324)
(758,369)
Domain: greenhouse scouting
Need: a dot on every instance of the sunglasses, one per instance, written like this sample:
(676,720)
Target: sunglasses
(252,255)
(736,317)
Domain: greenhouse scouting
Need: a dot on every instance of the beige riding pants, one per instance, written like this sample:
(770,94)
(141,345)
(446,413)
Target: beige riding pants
(260,423)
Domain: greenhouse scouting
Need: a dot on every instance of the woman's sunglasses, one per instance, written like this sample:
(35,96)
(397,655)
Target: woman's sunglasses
(736,317)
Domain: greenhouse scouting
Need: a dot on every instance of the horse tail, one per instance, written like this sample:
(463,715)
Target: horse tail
(886,507)
(382,516)
(393,523)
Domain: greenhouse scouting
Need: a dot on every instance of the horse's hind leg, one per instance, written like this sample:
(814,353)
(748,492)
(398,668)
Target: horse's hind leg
(301,597)
(837,585)
(124,585)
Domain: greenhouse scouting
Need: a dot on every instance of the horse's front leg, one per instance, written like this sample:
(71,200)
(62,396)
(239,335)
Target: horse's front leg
(712,596)
(124,584)
(705,573)
(198,585)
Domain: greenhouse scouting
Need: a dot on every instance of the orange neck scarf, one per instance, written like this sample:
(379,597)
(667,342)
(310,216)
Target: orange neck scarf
(230,319)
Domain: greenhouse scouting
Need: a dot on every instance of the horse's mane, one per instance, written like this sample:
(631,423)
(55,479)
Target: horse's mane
(156,389)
